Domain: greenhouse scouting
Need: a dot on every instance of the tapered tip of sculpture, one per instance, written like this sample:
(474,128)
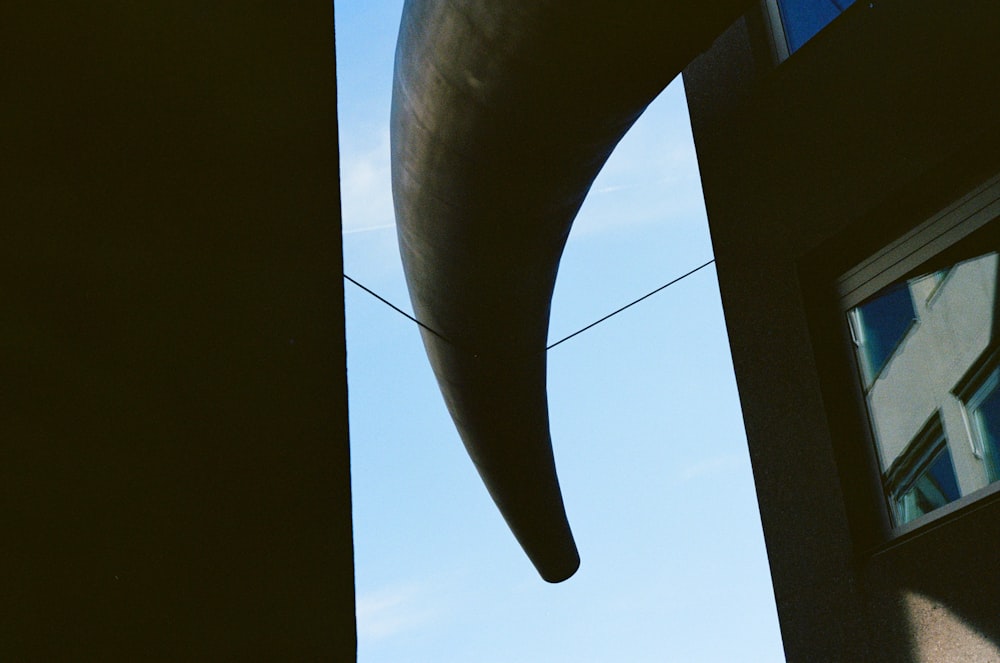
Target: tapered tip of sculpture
(503,113)
(561,569)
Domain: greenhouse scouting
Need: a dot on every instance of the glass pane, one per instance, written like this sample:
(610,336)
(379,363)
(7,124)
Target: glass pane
(933,488)
(926,349)
(802,19)
(883,322)
(987,418)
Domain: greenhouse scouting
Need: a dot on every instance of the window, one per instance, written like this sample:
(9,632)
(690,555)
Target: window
(922,478)
(982,418)
(879,326)
(794,22)
(924,319)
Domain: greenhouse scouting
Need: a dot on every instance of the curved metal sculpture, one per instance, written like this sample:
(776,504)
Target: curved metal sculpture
(502,115)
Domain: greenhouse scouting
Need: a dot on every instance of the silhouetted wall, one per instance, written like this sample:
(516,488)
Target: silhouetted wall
(808,167)
(173,419)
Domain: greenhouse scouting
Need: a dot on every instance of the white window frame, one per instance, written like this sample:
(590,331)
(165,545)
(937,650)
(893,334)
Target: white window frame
(776,31)
(984,383)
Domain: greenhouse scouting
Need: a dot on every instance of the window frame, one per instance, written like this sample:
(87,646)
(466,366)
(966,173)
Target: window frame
(982,380)
(778,35)
(891,264)
(918,246)
(914,462)
(775,31)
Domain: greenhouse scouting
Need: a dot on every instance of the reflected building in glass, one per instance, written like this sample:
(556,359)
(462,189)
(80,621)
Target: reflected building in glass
(925,356)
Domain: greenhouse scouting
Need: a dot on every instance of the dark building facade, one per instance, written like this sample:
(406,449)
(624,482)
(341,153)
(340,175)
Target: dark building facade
(850,174)
(175,480)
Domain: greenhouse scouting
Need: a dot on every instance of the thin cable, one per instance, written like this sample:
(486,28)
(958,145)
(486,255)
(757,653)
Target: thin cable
(397,309)
(562,340)
(614,313)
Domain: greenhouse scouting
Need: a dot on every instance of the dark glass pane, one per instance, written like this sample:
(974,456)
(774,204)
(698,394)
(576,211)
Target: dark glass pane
(884,321)
(932,489)
(942,473)
(802,19)
(988,423)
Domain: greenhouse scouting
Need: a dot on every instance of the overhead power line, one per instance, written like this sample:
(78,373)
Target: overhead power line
(562,340)
(397,309)
(631,304)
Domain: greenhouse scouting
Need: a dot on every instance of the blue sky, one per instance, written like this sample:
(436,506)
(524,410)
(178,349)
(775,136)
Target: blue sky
(646,425)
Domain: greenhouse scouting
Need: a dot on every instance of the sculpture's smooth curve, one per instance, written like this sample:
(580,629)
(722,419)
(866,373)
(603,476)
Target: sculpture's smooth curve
(502,115)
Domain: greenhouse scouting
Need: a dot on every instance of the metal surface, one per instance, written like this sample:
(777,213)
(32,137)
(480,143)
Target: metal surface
(502,115)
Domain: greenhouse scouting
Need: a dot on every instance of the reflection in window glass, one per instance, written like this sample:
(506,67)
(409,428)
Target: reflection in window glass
(984,412)
(928,354)
(802,19)
(880,325)
(934,487)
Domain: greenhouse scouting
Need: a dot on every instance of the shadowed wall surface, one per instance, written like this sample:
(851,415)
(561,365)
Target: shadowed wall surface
(174,425)
(881,120)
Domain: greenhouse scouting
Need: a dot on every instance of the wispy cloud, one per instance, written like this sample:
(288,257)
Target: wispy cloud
(613,188)
(386,612)
(651,177)
(354,231)
(711,466)
(365,186)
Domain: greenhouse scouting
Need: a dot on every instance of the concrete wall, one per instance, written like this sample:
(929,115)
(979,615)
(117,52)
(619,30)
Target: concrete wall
(808,168)
(173,422)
